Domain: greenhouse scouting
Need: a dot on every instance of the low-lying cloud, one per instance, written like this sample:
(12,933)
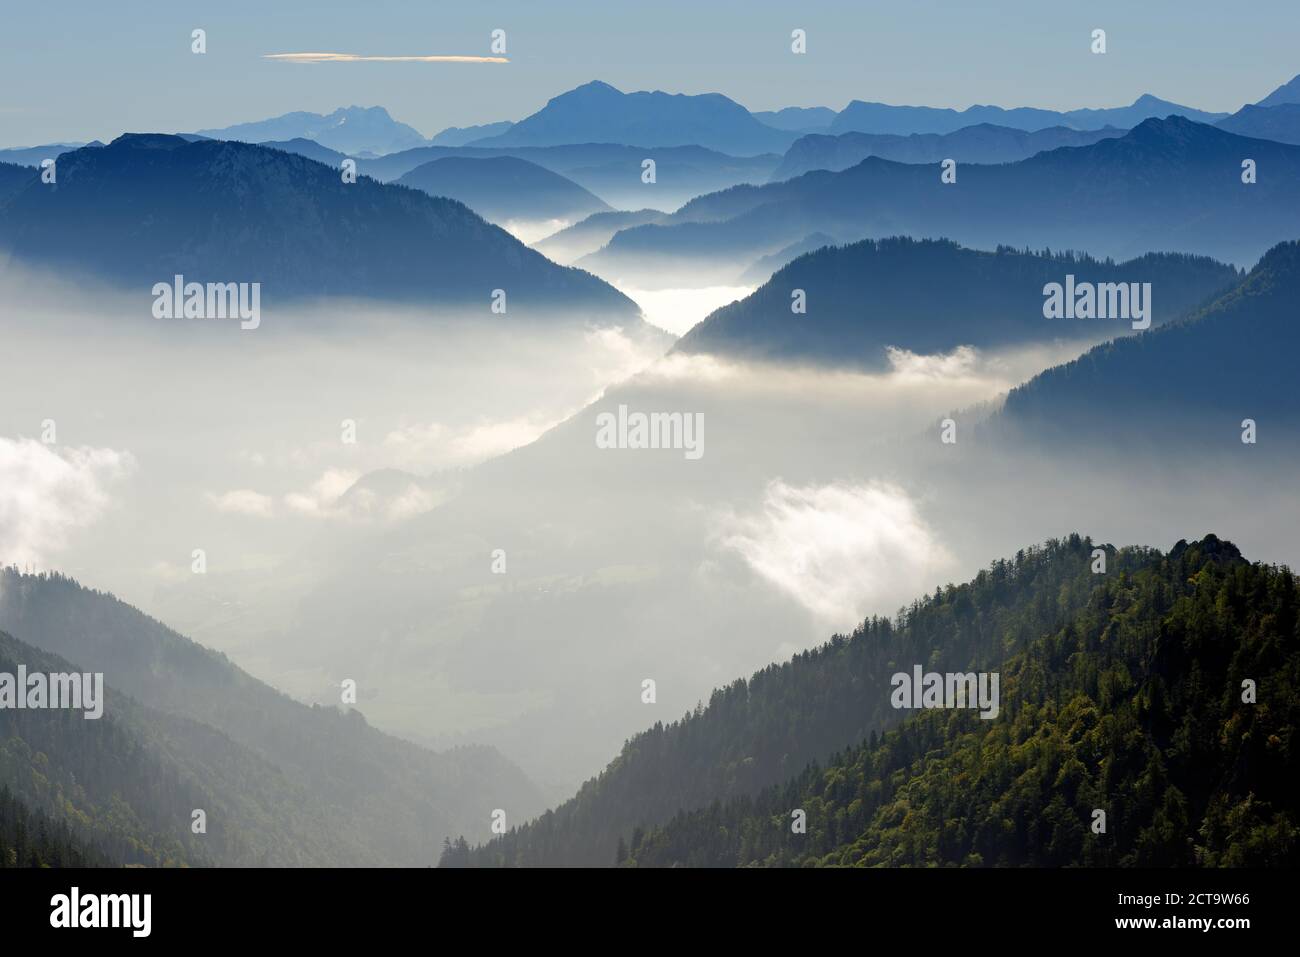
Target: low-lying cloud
(961,363)
(243,501)
(321,499)
(841,550)
(47,492)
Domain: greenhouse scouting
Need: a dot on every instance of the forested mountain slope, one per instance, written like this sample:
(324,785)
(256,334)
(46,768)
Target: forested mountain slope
(765,730)
(389,801)
(129,781)
(929,296)
(1185,382)
(1132,706)
(149,206)
(34,839)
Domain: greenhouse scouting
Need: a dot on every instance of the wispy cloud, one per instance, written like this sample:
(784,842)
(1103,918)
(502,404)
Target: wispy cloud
(324,494)
(433,445)
(47,493)
(842,550)
(359,58)
(243,501)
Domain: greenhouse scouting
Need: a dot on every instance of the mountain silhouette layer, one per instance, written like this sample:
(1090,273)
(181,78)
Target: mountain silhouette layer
(1171,185)
(598,113)
(352,129)
(148,207)
(505,188)
(929,296)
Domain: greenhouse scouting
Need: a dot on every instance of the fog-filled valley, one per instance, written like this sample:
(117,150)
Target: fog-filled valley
(579,473)
(347,471)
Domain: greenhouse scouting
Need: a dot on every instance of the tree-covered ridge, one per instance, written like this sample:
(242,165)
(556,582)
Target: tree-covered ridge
(1154,386)
(13,178)
(1134,706)
(129,782)
(351,794)
(766,730)
(34,839)
(147,206)
(869,295)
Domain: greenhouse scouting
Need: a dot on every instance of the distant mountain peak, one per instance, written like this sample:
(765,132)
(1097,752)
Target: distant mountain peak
(593,92)
(148,141)
(1281,262)
(348,129)
(1174,127)
(599,113)
(1288,92)
(150,205)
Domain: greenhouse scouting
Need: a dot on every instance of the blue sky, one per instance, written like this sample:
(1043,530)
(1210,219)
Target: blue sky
(85,69)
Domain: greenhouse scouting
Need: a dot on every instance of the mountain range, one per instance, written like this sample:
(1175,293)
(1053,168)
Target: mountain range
(149,206)
(352,129)
(982,143)
(1169,184)
(611,171)
(1121,688)
(863,117)
(597,112)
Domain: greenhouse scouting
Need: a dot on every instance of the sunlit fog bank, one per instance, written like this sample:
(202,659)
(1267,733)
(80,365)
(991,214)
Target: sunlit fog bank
(500,556)
(529,231)
(527,607)
(677,310)
(127,442)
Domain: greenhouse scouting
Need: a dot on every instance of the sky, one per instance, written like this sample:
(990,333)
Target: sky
(86,69)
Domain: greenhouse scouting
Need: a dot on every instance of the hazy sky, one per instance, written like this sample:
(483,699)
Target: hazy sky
(89,69)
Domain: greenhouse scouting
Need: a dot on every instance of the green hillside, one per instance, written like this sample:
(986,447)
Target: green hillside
(766,730)
(1133,706)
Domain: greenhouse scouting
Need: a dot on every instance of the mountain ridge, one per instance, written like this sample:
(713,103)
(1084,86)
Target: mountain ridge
(866,117)
(350,129)
(504,188)
(599,112)
(755,732)
(149,206)
(1134,707)
(333,754)
(1167,184)
(864,297)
